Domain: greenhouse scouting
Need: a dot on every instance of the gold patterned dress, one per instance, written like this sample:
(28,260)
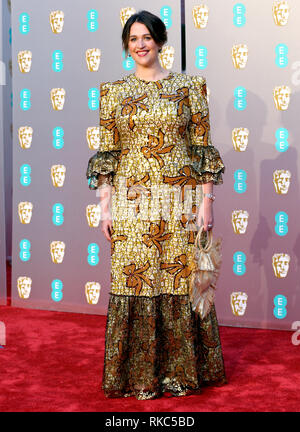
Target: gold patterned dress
(156,152)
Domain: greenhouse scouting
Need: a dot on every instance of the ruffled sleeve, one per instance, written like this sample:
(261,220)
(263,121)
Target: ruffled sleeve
(103,165)
(206,159)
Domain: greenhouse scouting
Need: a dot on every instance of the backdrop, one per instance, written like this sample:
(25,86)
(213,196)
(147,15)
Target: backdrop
(6,116)
(249,54)
(2,213)
(60,54)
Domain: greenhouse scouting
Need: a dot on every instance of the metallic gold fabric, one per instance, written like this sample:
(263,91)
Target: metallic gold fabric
(157,345)
(154,135)
(155,139)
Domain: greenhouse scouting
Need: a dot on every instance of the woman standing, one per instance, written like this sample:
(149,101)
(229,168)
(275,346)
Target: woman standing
(154,136)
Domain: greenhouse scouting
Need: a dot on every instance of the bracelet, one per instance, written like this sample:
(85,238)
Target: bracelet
(210,196)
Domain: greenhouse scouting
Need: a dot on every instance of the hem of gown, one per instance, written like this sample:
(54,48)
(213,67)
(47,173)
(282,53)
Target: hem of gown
(144,395)
(205,358)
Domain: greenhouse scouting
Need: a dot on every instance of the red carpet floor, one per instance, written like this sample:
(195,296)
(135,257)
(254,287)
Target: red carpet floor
(52,362)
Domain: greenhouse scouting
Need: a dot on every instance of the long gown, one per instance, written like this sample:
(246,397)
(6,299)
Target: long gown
(156,152)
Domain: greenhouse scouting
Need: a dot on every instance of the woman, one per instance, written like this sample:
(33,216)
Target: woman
(154,134)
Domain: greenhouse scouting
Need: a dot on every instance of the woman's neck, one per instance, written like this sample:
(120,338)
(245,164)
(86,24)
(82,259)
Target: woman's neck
(153,73)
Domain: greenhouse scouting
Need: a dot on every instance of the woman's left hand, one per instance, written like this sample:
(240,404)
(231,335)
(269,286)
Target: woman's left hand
(208,216)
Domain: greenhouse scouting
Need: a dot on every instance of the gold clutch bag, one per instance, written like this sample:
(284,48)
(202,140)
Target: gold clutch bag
(206,265)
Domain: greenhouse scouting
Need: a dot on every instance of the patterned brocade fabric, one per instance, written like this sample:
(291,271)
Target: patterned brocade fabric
(118,110)
(162,347)
(155,142)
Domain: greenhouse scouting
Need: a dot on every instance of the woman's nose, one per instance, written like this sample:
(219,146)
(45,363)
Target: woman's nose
(140,43)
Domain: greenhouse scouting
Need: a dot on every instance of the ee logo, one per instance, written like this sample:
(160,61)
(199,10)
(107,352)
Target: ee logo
(58,140)
(93,250)
(25,96)
(282,144)
(240,185)
(165,14)
(281,219)
(201,57)
(24,27)
(281,52)
(57,64)
(25,178)
(93,98)
(239,18)
(25,246)
(280,303)
(240,102)
(92,23)
(57,287)
(58,214)
(127,63)
(239,259)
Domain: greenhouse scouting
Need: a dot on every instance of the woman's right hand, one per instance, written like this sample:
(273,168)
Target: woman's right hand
(106,225)
(105,203)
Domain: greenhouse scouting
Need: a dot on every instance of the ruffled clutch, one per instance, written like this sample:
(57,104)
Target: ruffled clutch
(207,259)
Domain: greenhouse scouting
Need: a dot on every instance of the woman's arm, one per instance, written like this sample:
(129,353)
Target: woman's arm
(105,204)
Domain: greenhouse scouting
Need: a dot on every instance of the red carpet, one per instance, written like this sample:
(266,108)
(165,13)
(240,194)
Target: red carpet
(53,361)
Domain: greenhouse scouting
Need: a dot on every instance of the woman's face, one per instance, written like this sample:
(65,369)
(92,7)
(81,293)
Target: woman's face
(141,45)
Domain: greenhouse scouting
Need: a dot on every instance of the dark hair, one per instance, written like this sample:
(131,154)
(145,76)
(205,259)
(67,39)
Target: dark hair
(153,23)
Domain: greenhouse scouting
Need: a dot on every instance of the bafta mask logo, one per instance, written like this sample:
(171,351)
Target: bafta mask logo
(166,57)
(126,13)
(57,250)
(281,11)
(25,212)
(92,292)
(281,262)
(240,138)
(200,16)
(93,57)
(93,214)
(281,96)
(239,219)
(281,181)
(58,96)
(239,55)
(238,301)
(24,286)
(58,174)
(56,21)
(25,136)
(93,137)
(24,61)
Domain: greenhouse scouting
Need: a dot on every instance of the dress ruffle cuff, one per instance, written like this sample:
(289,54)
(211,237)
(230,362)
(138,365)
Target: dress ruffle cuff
(101,168)
(207,163)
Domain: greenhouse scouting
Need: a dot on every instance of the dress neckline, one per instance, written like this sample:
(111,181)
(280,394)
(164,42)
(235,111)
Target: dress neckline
(170,75)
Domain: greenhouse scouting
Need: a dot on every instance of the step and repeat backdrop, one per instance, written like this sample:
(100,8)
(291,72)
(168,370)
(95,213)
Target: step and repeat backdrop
(60,54)
(250,55)
(2,206)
